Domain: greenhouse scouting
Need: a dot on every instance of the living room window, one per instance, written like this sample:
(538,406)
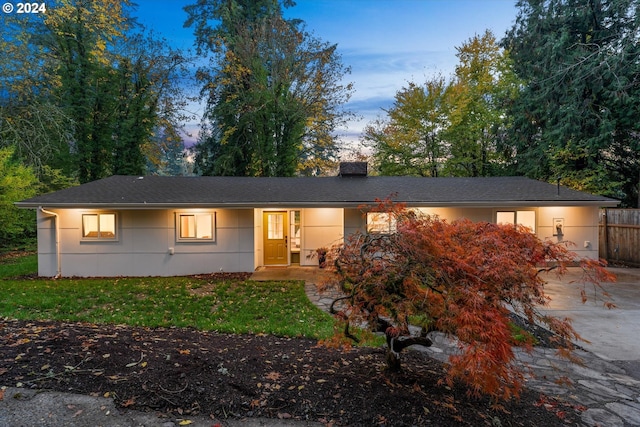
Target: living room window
(99,226)
(196,226)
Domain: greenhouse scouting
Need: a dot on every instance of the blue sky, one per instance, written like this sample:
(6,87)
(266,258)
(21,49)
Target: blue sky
(387,43)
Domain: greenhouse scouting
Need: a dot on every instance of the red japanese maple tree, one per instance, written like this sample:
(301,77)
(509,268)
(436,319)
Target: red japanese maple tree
(462,278)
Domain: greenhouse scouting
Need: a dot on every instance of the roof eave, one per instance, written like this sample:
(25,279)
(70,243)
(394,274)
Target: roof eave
(334,204)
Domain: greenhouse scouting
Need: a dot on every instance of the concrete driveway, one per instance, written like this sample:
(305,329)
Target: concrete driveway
(613,334)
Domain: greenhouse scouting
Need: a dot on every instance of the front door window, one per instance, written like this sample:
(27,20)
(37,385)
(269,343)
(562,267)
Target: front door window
(275,238)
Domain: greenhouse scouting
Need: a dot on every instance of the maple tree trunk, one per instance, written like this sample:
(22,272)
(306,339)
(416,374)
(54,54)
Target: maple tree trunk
(393,361)
(395,344)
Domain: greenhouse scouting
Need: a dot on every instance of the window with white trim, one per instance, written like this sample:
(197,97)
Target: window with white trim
(525,218)
(380,222)
(196,226)
(99,226)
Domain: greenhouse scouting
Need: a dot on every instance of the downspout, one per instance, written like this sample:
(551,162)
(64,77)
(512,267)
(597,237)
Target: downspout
(57,225)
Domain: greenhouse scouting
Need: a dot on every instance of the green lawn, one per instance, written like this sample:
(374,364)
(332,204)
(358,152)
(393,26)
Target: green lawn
(279,308)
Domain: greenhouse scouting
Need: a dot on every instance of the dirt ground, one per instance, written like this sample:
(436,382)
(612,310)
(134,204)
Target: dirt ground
(177,371)
(185,371)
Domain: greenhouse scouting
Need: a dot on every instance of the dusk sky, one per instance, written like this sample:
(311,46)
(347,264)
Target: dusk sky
(387,43)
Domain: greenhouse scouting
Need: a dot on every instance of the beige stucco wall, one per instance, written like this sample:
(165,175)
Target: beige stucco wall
(145,241)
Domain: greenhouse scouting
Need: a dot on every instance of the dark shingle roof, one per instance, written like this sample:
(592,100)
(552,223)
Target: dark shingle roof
(162,191)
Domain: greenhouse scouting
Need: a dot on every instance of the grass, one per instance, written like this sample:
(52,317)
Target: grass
(278,308)
(13,266)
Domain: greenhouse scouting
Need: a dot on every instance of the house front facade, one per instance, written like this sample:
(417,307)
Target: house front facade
(171,226)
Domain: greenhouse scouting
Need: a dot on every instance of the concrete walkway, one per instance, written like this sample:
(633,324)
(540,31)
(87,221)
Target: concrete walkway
(607,384)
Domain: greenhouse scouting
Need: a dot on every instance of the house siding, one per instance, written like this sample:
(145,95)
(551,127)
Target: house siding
(147,245)
(580,222)
(143,245)
(321,227)
(580,228)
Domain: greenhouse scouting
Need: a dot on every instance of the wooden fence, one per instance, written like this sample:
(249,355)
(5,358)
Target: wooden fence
(619,239)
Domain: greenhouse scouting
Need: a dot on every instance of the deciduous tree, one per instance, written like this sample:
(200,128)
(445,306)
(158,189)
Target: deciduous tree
(450,128)
(460,278)
(17,182)
(483,85)
(86,92)
(410,141)
(274,93)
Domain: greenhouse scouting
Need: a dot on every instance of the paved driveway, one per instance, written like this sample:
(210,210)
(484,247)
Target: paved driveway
(614,334)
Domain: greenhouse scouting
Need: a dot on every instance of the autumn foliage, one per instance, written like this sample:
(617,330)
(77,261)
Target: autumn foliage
(461,278)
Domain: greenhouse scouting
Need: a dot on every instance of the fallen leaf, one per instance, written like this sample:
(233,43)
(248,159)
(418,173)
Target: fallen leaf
(45,367)
(273,376)
(185,422)
(129,402)
(321,381)
(1,394)
(187,351)
(106,356)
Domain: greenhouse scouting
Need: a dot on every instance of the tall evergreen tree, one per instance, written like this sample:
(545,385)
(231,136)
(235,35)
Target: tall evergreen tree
(575,118)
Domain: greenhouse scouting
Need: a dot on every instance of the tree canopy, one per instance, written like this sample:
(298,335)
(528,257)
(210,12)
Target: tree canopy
(274,93)
(16,182)
(452,127)
(86,89)
(575,117)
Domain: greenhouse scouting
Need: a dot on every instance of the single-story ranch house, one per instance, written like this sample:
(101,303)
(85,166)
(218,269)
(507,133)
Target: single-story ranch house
(170,226)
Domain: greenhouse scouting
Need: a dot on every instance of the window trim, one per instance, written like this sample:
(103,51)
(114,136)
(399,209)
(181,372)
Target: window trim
(99,237)
(210,239)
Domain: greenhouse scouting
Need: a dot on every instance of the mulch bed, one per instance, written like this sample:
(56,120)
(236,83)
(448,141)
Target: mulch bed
(185,371)
(178,372)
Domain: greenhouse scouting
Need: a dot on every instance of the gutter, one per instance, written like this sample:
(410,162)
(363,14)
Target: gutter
(56,222)
(325,204)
